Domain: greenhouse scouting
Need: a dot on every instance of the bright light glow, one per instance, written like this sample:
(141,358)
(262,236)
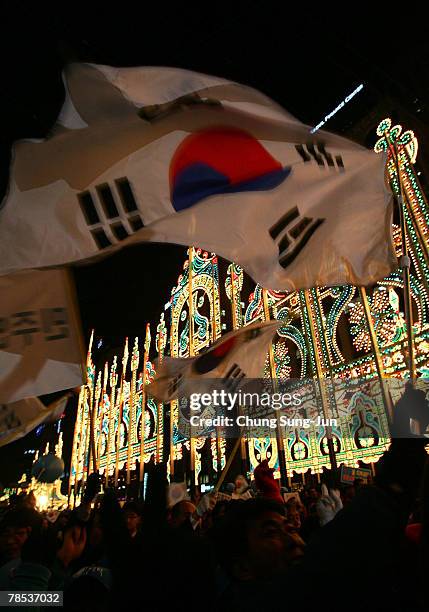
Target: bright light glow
(339,107)
(42,502)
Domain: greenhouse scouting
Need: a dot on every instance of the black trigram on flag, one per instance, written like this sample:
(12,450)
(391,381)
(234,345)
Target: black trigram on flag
(111,213)
(291,233)
(317,152)
(233,378)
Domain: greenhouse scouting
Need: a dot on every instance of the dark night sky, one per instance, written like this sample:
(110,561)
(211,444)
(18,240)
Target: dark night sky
(308,60)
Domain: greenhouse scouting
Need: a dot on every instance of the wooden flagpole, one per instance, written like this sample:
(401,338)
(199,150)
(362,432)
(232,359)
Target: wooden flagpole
(228,464)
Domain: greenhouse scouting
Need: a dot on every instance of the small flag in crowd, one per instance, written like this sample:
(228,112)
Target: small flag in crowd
(236,356)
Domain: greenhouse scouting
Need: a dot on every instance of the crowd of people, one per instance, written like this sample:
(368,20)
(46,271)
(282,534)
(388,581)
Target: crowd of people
(252,548)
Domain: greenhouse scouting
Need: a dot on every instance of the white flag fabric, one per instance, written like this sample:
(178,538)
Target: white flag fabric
(237,356)
(19,418)
(39,350)
(168,155)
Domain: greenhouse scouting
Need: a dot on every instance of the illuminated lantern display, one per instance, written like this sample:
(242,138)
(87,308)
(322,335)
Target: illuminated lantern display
(324,336)
(45,481)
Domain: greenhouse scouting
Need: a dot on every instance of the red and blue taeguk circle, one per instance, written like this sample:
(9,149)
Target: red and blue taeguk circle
(221,160)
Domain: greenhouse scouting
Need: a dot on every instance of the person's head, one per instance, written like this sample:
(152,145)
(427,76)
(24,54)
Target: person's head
(255,542)
(181,512)
(240,484)
(133,517)
(313,494)
(15,530)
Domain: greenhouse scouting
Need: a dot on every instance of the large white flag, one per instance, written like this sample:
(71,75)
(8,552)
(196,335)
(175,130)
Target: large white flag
(167,155)
(39,349)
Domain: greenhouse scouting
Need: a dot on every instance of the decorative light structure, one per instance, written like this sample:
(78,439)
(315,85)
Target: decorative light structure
(121,421)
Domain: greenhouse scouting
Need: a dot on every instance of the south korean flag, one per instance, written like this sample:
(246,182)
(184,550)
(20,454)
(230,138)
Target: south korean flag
(238,356)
